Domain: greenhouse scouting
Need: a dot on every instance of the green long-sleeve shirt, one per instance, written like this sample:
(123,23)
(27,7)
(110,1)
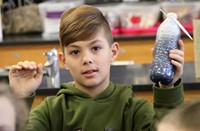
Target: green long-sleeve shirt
(115,109)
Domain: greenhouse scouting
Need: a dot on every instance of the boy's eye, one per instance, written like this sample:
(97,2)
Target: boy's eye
(96,48)
(75,52)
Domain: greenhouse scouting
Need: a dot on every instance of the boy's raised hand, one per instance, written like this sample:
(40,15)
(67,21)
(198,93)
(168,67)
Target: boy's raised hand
(25,78)
(177,56)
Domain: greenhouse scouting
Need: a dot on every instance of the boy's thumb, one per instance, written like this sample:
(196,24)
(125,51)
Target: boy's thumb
(39,73)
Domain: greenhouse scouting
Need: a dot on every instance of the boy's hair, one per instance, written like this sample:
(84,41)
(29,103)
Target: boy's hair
(82,23)
(19,106)
(186,117)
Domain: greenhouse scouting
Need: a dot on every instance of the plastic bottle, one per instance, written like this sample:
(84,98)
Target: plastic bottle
(167,38)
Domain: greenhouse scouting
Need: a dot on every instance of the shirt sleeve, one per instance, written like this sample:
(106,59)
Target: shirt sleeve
(169,97)
(166,99)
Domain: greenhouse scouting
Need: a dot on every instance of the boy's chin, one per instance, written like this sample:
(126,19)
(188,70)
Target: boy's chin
(92,84)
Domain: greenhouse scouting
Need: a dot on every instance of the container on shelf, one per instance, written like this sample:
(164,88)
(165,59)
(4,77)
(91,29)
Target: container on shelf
(138,17)
(51,11)
(95,2)
(186,11)
(110,12)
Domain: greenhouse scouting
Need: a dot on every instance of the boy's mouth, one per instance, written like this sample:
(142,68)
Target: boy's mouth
(89,73)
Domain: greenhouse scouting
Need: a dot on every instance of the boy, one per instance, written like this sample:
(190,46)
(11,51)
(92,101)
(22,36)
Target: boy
(184,118)
(92,102)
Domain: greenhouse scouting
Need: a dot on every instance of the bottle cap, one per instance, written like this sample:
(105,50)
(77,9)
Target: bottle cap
(174,17)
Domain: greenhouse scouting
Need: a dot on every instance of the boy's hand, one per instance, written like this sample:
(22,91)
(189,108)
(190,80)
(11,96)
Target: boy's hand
(177,56)
(25,78)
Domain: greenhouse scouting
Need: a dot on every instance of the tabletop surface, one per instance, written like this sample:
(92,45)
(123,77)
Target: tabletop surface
(136,75)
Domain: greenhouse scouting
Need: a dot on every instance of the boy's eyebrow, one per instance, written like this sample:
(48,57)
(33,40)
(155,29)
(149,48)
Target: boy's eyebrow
(94,41)
(72,45)
(77,46)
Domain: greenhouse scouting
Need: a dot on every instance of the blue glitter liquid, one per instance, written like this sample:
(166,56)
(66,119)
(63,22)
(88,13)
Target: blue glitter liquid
(167,38)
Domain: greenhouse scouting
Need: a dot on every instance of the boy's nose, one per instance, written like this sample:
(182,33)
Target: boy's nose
(87,62)
(87,58)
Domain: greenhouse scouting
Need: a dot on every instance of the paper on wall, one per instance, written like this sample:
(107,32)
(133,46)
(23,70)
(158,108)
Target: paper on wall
(196,36)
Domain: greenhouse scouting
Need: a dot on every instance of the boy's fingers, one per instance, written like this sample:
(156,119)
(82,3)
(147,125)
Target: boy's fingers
(40,69)
(27,65)
(181,45)
(13,68)
(178,65)
(179,57)
(39,72)
(153,51)
(33,65)
(22,64)
(177,52)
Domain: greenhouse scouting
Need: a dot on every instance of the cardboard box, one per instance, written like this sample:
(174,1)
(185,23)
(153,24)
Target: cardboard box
(51,11)
(196,34)
(1,29)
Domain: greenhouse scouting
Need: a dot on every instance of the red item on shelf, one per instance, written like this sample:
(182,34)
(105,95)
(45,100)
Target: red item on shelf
(188,27)
(135,31)
(116,31)
(150,31)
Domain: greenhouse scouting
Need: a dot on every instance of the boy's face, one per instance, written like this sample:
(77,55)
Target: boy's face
(89,61)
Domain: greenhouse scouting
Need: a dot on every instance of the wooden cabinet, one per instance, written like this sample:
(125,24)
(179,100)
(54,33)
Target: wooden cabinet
(138,51)
(12,54)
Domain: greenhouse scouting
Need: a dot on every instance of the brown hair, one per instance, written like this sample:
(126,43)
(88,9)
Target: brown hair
(19,106)
(186,116)
(82,23)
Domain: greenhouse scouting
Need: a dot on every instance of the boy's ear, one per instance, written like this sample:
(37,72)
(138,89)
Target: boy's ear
(62,59)
(115,51)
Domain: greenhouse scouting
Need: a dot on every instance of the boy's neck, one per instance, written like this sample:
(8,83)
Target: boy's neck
(93,91)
